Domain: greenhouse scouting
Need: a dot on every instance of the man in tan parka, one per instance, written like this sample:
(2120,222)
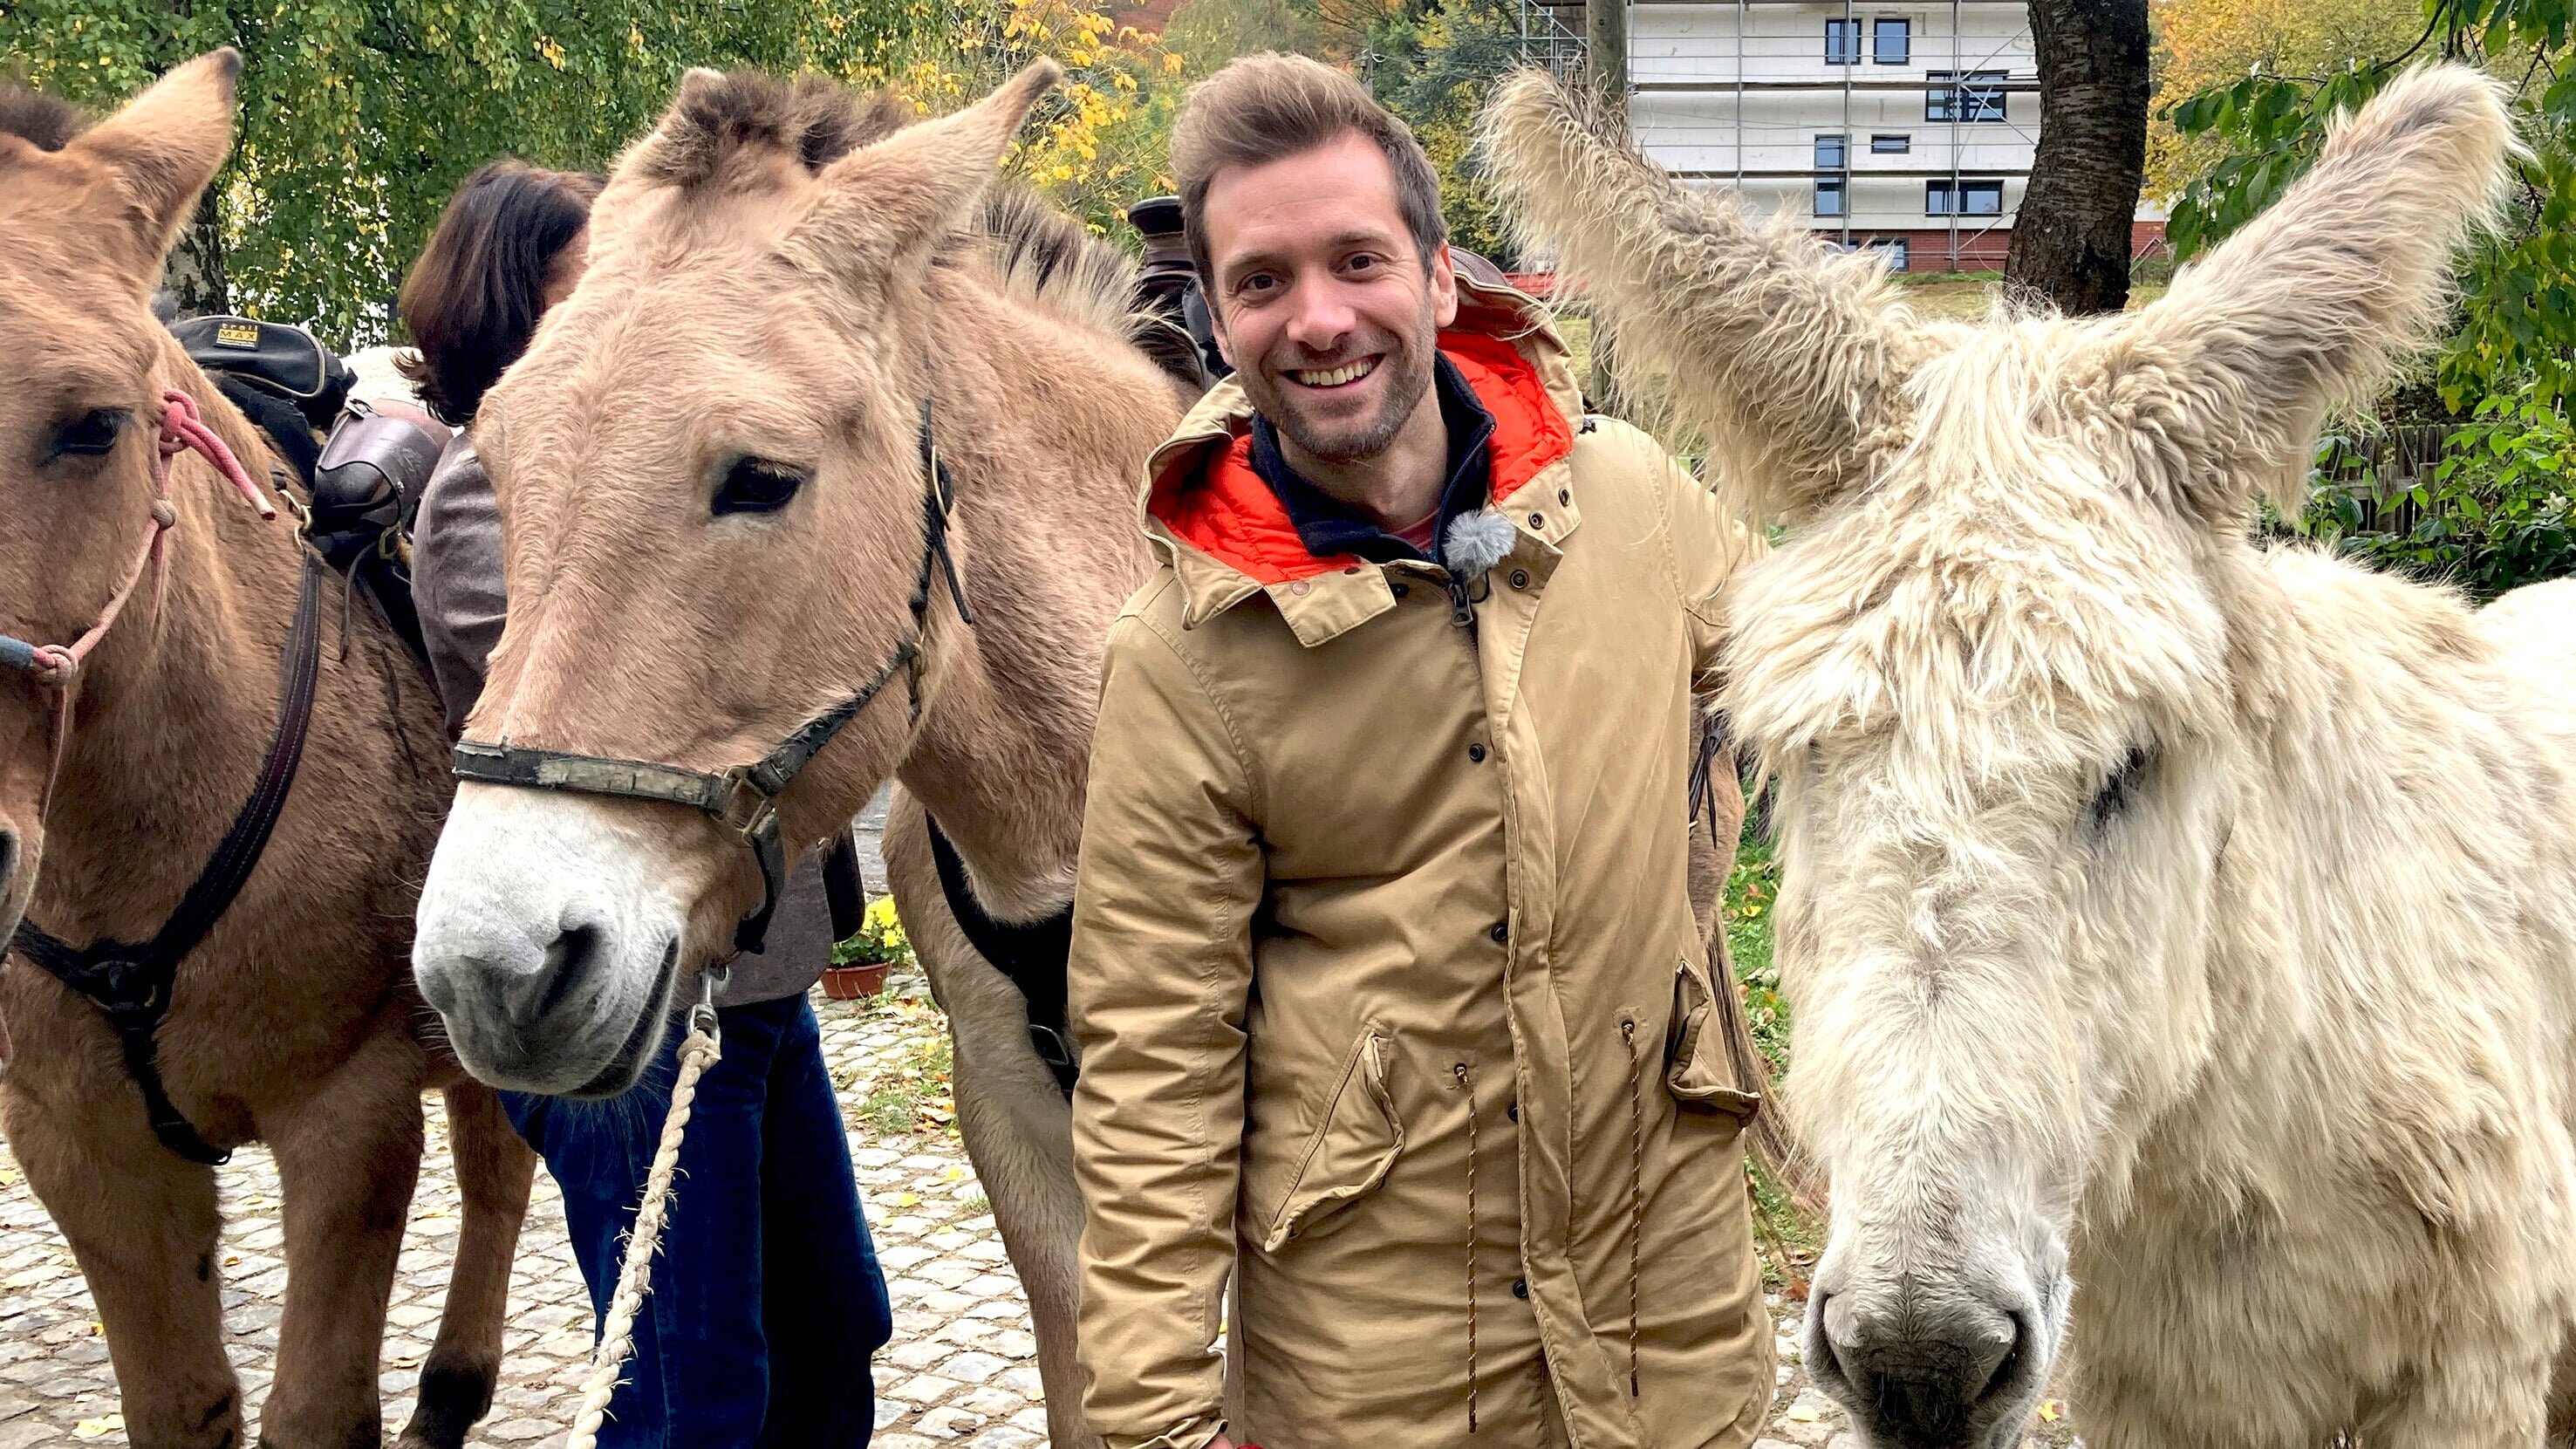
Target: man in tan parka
(1389,995)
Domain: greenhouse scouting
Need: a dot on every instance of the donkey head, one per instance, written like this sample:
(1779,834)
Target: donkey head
(86,216)
(716,435)
(1991,671)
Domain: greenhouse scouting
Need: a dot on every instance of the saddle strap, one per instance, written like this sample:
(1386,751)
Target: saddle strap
(1032,956)
(131,985)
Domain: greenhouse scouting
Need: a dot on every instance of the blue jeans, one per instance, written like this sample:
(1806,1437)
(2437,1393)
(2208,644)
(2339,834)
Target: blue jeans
(767,1301)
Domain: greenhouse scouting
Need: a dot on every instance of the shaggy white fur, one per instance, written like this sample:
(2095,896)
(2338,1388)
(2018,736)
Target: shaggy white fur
(2187,919)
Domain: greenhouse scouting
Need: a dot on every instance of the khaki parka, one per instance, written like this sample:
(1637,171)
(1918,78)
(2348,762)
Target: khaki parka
(1384,973)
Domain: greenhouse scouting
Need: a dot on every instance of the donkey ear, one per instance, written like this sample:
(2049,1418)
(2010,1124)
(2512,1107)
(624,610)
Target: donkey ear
(886,207)
(2221,384)
(165,146)
(1788,359)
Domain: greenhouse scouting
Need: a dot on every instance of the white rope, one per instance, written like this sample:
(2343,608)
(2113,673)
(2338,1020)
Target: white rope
(635,1277)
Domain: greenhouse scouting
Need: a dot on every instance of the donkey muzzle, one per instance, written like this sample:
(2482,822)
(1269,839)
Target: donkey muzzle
(1925,1371)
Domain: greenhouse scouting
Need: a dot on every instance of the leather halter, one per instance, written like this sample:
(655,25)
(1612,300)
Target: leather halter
(744,799)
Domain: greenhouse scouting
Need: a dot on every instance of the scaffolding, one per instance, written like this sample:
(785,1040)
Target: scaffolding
(1961,232)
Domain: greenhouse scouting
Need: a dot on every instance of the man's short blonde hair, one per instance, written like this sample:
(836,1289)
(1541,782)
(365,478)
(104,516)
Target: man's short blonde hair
(1263,108)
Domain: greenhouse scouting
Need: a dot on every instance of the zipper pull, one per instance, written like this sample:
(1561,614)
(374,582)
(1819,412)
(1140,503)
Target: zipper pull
(1462,611)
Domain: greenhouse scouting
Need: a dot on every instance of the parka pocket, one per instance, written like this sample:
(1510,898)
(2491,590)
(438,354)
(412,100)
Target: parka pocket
(1355,1142)
(1697,1071)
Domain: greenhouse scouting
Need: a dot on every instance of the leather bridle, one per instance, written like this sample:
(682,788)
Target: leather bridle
(744,799)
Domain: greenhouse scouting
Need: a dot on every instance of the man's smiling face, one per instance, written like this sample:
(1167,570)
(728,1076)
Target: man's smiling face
(1323,302)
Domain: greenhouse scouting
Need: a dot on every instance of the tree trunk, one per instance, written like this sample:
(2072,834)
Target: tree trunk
(2070,241)
(1605,50)
(195,274)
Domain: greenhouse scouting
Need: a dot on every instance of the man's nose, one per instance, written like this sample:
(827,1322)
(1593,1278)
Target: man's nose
(1322,318)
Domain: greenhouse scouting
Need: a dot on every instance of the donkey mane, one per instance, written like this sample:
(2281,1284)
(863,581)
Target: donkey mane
(1034,253)
(46,122)
(746,112)
(1043,257)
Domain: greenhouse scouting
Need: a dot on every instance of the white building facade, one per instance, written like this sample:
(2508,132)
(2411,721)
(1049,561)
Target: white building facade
(1908,127)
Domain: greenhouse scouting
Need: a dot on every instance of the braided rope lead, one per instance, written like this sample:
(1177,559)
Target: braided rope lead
(635,1276)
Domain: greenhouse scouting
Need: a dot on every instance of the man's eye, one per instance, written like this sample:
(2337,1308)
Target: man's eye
(1258,282)
(91,435)
(1361,263)
(756,485)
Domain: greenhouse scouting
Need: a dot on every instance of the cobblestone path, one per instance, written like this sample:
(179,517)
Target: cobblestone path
(961,1370)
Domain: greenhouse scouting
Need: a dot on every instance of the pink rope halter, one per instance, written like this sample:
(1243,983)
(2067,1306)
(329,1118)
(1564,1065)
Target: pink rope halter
(58,665)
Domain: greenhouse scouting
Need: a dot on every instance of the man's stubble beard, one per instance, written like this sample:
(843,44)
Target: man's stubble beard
(1409,391)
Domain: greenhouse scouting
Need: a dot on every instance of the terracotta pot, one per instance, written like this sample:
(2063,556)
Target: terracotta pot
(853,983)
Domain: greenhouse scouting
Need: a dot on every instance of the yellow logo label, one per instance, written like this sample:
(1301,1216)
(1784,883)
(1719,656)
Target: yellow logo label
(237,334)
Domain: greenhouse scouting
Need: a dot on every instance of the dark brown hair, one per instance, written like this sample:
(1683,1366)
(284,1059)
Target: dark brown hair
(1262,108)
(473,299)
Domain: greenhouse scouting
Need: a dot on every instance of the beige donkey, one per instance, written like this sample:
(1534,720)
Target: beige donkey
(723,524)
(294,1021)
(2180,928)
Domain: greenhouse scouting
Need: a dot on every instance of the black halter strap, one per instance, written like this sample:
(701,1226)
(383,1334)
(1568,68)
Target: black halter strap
(132,984)
(744,799)
(1032,955)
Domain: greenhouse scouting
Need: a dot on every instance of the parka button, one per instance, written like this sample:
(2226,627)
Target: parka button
(1538,520)
(1476,753)
(1565,495)
(1502,932)
(1401,590)
(1513,1111)
(1520,1287)
(1299,587)
(1520,578)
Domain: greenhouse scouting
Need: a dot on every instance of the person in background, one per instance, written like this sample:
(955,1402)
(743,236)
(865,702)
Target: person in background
(767,1302)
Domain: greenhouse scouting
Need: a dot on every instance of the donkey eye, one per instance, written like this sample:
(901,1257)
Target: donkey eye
(2121,790)
(93,434)
(756,485)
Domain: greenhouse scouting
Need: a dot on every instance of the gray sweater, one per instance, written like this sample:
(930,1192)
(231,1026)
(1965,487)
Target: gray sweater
(456,581)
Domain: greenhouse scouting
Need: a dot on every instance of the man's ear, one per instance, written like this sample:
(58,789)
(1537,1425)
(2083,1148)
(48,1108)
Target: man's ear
(163,148)
(1444,287)
(887,207)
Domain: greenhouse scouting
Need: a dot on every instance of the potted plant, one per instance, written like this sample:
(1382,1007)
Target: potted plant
(859,964)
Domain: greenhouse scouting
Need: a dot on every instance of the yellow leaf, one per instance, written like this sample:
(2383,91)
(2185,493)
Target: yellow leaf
(2050,1412)
(95,1428)
(1802,1414)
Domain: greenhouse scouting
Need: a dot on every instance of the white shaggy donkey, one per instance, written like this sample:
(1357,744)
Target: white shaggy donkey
(2164,913)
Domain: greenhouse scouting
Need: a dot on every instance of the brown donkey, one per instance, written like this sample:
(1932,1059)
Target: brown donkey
(294,1022)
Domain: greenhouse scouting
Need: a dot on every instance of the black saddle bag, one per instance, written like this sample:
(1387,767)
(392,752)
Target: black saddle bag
(285,361)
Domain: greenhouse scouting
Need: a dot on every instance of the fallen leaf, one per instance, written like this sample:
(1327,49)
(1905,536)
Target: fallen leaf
(1802,1414)
(96,1428)
(2050,1411)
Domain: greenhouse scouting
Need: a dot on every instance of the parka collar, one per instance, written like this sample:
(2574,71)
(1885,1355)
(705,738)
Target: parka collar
(1227,537)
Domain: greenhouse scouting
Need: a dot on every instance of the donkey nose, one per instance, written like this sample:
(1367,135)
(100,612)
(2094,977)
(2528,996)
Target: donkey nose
(1920,1376)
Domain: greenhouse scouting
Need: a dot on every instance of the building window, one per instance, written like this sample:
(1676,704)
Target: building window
(1891,41)
(1890,145)
(1971,198)
(1842,42)
(1978,99)
(1897,254)
(1829,196)
(1829,153)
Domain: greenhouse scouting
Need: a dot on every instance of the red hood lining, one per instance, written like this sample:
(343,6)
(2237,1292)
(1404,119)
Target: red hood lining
(1213,501)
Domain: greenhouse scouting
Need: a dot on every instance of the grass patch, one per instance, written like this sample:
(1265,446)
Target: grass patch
(911,1092)
(1752,893)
